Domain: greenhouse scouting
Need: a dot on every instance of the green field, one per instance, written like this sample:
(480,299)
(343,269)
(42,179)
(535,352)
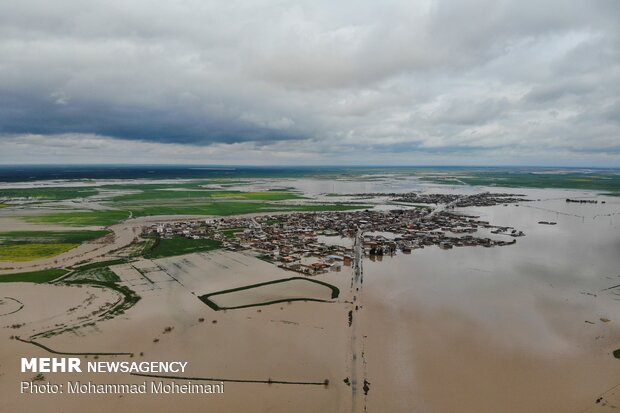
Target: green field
(100,264)
(607,182)
(147,186)
(57,237)
(225,208)
(48,193)
(222,208)
(259,196)
(28,252)
(193,194)
(80,219)
(230,233)
(33,277)
(4,205)
(32,245)
(179,246)
(99,274)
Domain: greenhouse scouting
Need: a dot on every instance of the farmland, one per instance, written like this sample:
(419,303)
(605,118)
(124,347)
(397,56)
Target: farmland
(178,246)
(31,245)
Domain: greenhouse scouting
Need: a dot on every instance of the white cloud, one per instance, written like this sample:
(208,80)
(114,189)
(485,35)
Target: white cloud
(266,81)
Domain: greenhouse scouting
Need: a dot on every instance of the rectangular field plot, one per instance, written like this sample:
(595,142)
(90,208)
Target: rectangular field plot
(271,292)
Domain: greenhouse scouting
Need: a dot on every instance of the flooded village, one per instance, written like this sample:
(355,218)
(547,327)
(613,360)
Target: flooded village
(453,200)
(318,242)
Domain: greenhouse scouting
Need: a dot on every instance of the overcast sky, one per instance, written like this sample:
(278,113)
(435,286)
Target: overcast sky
(485,82)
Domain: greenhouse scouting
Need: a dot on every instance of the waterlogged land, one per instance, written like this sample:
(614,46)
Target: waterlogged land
(469,302)
(603,181)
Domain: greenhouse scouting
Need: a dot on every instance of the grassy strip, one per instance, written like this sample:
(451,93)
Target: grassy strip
(163,194)
(148,186)
(226,208)
(598,182)
(50,237)
(100,264)
(98,274)
(91,218)
(38,277)
(198,193)
(223,208)
(29,252)
(270,195)
(32,245)
(48,193)
(168,247)
(130,298)
(206,297)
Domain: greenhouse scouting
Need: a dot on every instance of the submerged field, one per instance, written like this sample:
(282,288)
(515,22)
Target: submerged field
(271,292)
(598,181)
(47,193)
(557,284)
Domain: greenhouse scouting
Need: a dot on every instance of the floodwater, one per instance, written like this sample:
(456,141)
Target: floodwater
(529,327)
(523,328)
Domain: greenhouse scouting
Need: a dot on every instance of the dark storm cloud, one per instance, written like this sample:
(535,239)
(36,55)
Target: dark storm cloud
(30,115)
(425,77)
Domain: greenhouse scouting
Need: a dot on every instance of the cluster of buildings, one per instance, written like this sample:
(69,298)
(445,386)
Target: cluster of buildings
(583,201)
(476,200)
(314,243)
(188,229)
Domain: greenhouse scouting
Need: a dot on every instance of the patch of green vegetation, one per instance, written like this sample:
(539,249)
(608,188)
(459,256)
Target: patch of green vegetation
(80,219)
(167,247)
(4,205)
(230,233)
(49,237)
(236,208)
(165,194)
(28,252)
(617,353)
(38,277)
(100,274)
(325,207)
(510,179)
(100,264)
(200,193)
(38,377)
(32,245)
(444,180)
(271,195)
(137,249)
(147,186)
(48,193)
